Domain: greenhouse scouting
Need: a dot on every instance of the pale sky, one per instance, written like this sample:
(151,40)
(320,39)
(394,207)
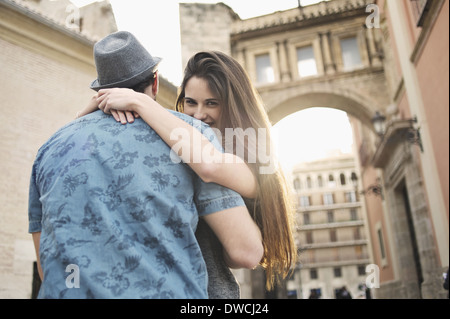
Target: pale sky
(307,135)
(312,134)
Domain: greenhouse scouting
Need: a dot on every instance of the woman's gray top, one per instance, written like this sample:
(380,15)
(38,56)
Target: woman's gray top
(221,282)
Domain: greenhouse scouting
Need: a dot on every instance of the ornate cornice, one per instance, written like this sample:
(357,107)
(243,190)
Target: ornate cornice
(301,16)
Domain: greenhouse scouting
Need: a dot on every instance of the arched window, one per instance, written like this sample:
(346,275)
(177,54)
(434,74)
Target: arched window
(354,179)
(320,181)
(331,182)
(297,184)
(308,182)
(342,177)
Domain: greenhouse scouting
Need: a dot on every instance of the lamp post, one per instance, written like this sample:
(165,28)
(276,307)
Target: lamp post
(412,134)
(379,123)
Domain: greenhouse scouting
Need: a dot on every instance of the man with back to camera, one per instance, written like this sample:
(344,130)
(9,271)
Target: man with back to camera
(107,201)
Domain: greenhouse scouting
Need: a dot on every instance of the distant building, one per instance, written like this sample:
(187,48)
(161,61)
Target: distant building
(332,229)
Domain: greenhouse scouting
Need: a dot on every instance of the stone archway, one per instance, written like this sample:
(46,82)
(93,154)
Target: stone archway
(352,105)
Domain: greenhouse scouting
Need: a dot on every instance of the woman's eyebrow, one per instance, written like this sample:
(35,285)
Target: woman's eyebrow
(207,100)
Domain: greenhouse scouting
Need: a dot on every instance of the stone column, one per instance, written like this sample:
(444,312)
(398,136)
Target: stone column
(284,66)
(374,58)
(328,60)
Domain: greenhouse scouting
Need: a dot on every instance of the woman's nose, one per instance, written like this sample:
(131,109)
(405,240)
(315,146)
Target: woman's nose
(200,114)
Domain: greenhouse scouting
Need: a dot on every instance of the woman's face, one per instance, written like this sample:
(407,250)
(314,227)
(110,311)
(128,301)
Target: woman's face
(200,103)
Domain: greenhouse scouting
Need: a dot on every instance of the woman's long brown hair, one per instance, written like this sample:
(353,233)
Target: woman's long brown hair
(242,108)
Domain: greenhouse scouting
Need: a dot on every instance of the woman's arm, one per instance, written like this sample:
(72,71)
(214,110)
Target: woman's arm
(240,237)
(191,146)
(37,241)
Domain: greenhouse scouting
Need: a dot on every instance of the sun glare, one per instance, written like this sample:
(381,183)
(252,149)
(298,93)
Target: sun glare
(312,134)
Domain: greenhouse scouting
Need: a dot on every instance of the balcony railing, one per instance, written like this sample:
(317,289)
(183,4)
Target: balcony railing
(333,244)
(308,262)
(352,223)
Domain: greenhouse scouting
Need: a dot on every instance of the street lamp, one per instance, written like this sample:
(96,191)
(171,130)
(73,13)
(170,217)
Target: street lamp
(412,134)
(379,123)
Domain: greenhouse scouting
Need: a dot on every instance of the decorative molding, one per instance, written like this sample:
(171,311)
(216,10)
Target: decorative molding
(307,15)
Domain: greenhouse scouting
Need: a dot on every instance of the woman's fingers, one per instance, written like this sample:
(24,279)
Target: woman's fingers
(109,107)
(130,117)
(123,117)
(115,114)
(102,101)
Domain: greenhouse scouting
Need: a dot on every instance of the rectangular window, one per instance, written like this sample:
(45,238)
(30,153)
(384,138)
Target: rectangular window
(337,272)
(306,219)
(353,214)
(381,242)
(306,62)
(313,274)
(357,234)
(304,201)
(361,270)
(333,236)
(309,237)
(350,197)
(264,69)
(330,216)
(350,54)
(328,199)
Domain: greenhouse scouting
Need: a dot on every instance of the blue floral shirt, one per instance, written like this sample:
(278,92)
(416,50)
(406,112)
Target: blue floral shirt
(118,214)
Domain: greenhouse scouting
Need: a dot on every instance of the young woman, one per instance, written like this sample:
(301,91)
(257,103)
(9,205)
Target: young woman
(217,90)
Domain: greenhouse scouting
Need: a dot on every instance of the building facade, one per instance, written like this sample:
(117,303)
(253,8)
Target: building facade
(409,159)
(332,229)
(46,66)
(364,57)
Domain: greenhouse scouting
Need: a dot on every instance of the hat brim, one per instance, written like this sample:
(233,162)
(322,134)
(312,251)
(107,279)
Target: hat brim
(130,82)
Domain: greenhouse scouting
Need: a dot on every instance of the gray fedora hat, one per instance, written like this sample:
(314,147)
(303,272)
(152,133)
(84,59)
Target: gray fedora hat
(122,61)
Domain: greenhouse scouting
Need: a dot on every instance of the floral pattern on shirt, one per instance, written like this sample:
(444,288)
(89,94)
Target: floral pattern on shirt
(109,199)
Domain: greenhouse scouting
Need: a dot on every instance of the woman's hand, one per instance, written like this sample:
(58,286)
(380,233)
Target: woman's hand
(119,103)
(124,117)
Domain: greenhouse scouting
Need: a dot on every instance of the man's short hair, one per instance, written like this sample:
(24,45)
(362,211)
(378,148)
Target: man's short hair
(142,86)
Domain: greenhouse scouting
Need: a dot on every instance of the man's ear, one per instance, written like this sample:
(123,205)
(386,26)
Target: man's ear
(155,86)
